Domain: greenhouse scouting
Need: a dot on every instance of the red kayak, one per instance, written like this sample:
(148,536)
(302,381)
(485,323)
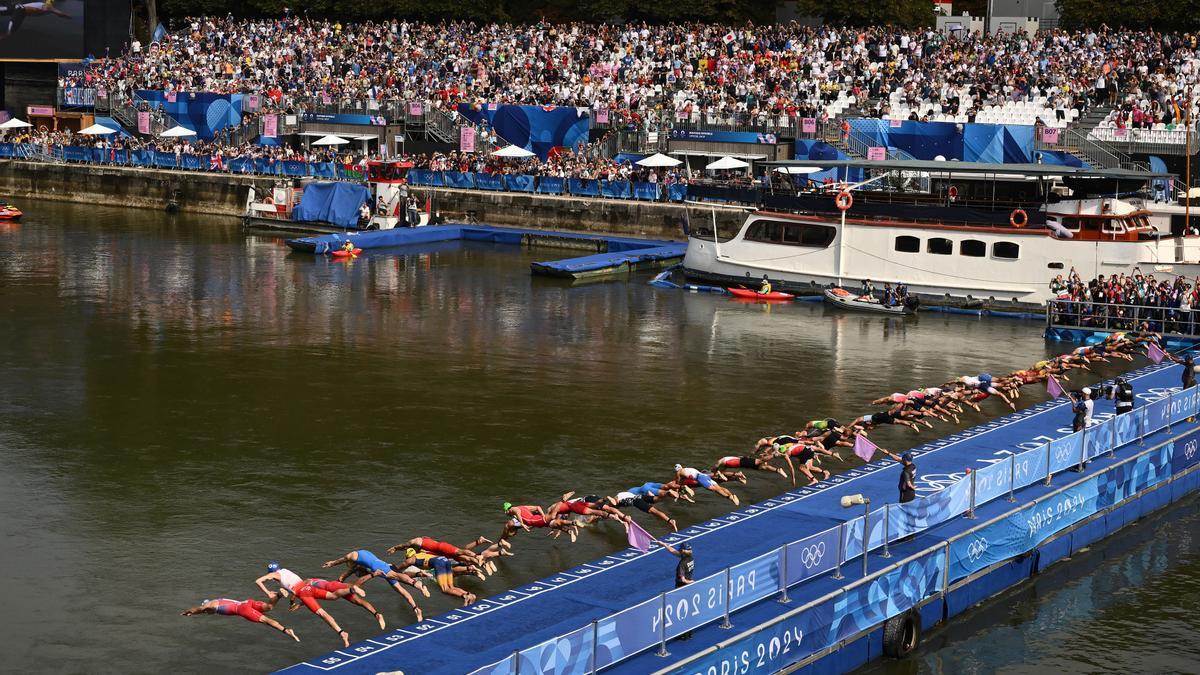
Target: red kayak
(343,253)
(10,213)
(755,295)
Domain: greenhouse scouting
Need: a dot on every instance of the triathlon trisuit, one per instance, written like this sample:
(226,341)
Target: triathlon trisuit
(250,610)
(627,499)
(737,462)
(440,547)
(703,480)
(289,579)
(531,519)
(803,453)
(645,489)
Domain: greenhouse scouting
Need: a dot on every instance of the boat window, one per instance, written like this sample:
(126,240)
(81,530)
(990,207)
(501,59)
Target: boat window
(907,244)
(973,248)
(1114,226)
(792,234)
(939,246)
(1053,265)
(1011,251)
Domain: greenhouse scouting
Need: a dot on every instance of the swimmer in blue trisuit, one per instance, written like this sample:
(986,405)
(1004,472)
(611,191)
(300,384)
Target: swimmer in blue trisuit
(659,490)
(368,566)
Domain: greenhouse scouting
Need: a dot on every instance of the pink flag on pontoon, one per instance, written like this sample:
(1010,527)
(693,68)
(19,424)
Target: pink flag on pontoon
(639,538)
(864,448)
(1053,387)
(1155,353)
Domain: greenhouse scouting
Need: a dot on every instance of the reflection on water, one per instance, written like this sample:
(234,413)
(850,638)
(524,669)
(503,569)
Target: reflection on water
(180,404)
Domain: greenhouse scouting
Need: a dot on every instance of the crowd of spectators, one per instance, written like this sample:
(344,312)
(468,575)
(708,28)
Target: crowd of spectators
(640,72)
(1123,301)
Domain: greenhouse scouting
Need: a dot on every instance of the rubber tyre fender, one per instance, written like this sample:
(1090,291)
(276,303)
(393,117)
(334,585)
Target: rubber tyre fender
(902,635)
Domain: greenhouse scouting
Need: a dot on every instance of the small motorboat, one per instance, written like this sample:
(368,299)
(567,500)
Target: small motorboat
(10,212)
(840,297)
(343,253)
(747,294)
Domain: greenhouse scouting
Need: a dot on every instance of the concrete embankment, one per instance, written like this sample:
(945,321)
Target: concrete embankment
(225,195)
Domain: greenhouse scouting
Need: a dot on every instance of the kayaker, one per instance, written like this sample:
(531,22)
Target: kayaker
(348,246)
(250,610)
(766,286)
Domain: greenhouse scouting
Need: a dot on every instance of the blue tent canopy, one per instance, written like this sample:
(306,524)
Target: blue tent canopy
(335,203)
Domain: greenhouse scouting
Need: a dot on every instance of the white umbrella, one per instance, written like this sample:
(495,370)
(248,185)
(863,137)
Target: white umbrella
(512,151)
(330,140)
(727,163)
(98,130)
(177,132)
(658,159)
(15,123)
(798,169)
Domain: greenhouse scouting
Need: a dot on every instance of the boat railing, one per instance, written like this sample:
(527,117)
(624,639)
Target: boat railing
(658,619)
(1083,314)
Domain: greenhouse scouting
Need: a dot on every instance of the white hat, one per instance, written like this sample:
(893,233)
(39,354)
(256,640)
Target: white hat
(1087,391)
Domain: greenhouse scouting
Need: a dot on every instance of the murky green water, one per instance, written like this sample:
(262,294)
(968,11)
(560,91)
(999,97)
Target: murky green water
(180,404)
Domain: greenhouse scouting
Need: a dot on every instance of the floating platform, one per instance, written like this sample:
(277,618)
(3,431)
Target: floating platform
(1093,336)
(608,255)
(780,583)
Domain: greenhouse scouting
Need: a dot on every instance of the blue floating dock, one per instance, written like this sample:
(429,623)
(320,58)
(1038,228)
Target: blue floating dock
(832,625)
(608,255)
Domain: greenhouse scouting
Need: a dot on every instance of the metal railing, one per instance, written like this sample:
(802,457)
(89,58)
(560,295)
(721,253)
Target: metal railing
(1121,317)
(682,610)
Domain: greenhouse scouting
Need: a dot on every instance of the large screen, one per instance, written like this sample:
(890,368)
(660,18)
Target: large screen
(45,29)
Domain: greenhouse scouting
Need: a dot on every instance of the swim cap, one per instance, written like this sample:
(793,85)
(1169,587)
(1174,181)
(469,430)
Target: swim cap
(408,553)
(507,505)
(205,601)
(678,467)
(272,566)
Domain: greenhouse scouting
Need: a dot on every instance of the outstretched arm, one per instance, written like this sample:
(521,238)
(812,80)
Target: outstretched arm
(260,582)
(330,563)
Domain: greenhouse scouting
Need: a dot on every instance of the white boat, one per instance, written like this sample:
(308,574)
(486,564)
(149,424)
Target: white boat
(954,254)
(840,297)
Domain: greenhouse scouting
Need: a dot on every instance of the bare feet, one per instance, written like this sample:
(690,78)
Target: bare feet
(357,590)
(734,499)
(673,524)
(468,599)
(292,634)
(424,591)
(345,638)
(382,622)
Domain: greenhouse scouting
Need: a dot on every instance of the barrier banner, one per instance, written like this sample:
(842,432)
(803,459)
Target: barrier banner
(73,153)
(270,126)
(165,160)
(1129,478)
(1030,466)
(466,139)
(1099,438)
(1186,453)
(324,170)
(1157,414)
(886,596)
(418,176)
(771,649)
(584,187)
(6,150)
(142,157)
(919,514)
(457,179)
(754,580)
(696,604)
(101,155)
(616,189)
(567,654)
(992,482)
(1065,451)
(813,555)
(505,667)
(853,546)
(195,162)
(549,185)
(628,632)
(292,167)
(808,125)
(143,121)
(241,165)
(487,181)
(1126,427)
(519,183)
(119,157)
(644,190)
(677,192)
(1183,404)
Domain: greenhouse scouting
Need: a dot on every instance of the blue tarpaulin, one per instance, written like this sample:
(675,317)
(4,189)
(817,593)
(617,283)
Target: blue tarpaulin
(1062,158)
(991,143)
(335,203)
(535,128)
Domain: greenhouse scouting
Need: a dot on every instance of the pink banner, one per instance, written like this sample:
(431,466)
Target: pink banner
(602,116)
(466,139)
(252,101)
(1049,135)
(416,109)
(270,126)
(40,110)
(895,123)
(171,96)
(808,125)
(877,153)
(143,122)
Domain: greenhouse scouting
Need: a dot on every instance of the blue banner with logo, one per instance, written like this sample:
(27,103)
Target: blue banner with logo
(565,655)
(724,136)
(331,118)
(771,649)
(1183,404)
(909,517)
(73,153)
(1126,427)
(195,162)
(241,165)
(457,179)
(1158,415)
(324,170)
(1031,466)
(1098,438)
(992,482)
(888,595)
(1066,452)
(584,187)
(6,150)
(754,580)
(487,181)
(677,192)
(694,605)
(520,183)
(812,555)
(165,160)
(645,190)
(616,189)
(418,176)
(628,632)
(1186,453)
(549,185)
(142,158)
(292,167)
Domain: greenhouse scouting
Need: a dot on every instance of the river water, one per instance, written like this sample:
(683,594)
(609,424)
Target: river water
(180,404)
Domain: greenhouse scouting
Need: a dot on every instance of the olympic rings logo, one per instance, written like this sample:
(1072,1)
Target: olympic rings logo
(976,549)
(811,555)
(1189,450)
(1062,454)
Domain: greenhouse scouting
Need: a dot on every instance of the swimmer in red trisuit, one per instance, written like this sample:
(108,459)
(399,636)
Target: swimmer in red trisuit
(310,590)
(728,466)
(250,610)
(527,517)
(589,507)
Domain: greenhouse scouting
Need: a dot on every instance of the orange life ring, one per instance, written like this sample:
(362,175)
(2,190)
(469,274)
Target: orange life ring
(953,192)
(1012,218)
(844,200)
